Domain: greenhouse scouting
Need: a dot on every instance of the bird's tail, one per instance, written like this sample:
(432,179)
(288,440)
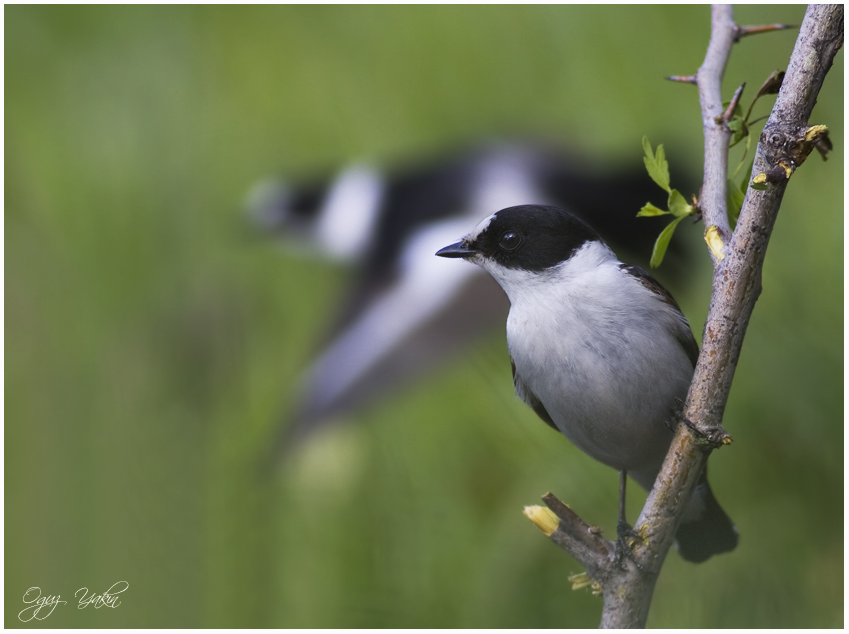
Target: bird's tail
(706,529)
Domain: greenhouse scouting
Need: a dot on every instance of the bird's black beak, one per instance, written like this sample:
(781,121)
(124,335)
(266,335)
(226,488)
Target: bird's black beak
(456,250)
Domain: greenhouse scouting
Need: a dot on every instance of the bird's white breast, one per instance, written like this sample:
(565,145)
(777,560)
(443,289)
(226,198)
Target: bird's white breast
(598,349)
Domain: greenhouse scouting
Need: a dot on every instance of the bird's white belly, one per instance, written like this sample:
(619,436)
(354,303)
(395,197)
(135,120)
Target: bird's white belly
(609,385)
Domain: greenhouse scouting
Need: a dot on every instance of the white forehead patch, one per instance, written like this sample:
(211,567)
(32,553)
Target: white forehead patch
(480,228)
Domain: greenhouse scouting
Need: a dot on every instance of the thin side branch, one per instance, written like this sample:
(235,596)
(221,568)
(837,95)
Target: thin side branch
(713,197)
(683,79)
(585,540)
(743,31)
(732,106)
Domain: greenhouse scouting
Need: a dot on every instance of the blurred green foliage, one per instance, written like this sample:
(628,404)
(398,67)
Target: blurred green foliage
(151,341)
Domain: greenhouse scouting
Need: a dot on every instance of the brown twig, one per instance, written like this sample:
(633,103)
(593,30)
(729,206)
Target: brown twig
(598,550)
(743,31)
(732,105)
(683,79)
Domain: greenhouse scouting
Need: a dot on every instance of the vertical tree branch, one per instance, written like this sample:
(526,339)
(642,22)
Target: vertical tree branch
(738,260)
(737,278)
(736,283)
(712,199)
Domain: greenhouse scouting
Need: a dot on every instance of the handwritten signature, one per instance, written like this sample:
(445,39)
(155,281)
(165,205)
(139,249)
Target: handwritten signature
(42,606)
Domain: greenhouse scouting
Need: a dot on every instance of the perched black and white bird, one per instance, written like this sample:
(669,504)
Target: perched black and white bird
(408,311)
(600,350)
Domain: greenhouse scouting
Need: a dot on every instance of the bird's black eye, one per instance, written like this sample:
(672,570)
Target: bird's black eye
(510,240)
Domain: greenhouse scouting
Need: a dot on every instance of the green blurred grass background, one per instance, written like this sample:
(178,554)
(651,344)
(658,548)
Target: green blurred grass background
(150,341)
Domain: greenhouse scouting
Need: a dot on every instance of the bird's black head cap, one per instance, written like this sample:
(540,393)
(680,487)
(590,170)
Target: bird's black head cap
(532,237)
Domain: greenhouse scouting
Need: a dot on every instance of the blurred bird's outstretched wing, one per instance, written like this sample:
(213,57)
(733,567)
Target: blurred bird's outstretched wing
(410,311)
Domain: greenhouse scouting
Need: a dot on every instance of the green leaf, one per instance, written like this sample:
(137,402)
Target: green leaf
(770,87)
(740,130)
(737,192)
(743,159)
(650,210)
(735,202)
(656,164)
(678,206)
(744,182)
(662,243)
(772,84)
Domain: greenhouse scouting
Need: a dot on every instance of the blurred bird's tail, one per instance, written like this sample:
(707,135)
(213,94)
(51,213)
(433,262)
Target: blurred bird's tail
(706,529)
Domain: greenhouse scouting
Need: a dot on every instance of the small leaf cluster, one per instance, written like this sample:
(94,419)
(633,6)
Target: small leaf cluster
(658,169)
(739,126)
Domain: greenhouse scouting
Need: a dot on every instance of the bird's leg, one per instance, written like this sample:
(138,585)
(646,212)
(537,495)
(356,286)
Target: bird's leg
(678,414)
(623,529)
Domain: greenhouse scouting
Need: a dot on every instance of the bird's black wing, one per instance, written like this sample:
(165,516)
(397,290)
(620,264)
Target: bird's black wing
(685,334)
(524,393)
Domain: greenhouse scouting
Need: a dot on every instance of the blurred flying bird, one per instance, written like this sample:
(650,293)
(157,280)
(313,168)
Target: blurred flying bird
(408,311)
